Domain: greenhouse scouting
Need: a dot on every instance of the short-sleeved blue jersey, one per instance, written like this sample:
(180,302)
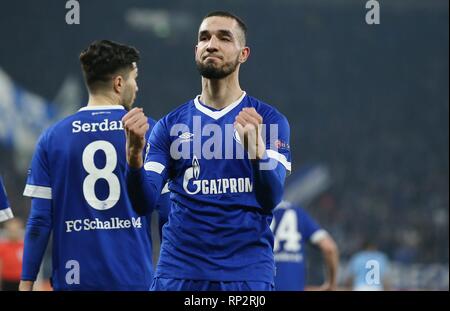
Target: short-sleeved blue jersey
(80,165)
(5,209)
(293,228)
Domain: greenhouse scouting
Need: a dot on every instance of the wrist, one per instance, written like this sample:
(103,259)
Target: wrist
(26,285)
(134,160)
(261,153)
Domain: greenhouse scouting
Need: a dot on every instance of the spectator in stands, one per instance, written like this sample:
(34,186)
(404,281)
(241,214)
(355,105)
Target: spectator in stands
(11,250)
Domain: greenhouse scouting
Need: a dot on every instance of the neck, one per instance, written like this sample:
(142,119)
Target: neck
(221,93)
(102,100)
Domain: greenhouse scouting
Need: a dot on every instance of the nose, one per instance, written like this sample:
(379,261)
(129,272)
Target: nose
(212,45)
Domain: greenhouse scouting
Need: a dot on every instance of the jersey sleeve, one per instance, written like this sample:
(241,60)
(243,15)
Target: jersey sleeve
(5,209)
(39,179)
(309,228)
(277,140)
(37,234)
(151,123)
(163,208)
(157,155)
(164,204)
(146,150)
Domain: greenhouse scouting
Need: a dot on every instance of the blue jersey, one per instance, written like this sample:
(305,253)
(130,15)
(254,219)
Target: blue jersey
(5,209)
(293,228)
(368,269)
(216,230)
(163,208)
(79,164)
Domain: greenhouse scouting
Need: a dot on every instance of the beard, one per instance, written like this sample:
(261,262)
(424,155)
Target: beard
(211,71)
(128,98)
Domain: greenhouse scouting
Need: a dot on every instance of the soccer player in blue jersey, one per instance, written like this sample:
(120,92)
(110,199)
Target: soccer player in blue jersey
(226,155)
(5,209)
(293,227)
(78,190)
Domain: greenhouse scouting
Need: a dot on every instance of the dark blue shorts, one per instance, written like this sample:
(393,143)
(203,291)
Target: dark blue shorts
(162,284)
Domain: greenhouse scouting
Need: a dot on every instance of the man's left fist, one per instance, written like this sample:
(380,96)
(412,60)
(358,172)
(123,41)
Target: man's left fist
(248,125)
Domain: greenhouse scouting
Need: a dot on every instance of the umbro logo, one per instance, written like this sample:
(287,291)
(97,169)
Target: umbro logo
(186,137)
(100,112)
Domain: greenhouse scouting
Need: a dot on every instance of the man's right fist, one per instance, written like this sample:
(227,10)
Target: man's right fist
(136,125)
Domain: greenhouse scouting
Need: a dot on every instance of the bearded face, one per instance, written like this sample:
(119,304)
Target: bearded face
(220,46)
(130,89)
(128,97)
(215,68)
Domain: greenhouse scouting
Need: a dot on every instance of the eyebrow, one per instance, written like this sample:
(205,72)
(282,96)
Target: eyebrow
(222,32)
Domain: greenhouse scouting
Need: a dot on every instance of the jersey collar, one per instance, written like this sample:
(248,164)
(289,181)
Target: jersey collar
(106,107)
(217,114)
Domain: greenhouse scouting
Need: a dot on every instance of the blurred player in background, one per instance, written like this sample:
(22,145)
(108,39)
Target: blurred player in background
(11,250)
(293,227)
(5,209)
(218,235)
(368,269)
(78,190)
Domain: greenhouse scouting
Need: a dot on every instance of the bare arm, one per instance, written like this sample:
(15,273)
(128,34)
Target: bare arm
(331,256)
(387,286)
(26,286)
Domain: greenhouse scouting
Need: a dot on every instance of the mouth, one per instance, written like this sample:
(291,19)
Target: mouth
(212,57)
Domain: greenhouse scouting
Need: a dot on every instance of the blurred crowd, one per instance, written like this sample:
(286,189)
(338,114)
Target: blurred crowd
(391,181)
(370,103)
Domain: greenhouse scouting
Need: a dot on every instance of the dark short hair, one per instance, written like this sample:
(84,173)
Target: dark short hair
(103,59)
(233,16)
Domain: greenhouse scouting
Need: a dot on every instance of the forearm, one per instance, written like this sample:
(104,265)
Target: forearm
(135,158)
(37,234)
(143,189)
(331,258)
(268,183)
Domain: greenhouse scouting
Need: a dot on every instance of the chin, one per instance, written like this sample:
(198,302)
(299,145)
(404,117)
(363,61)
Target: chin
(212,64)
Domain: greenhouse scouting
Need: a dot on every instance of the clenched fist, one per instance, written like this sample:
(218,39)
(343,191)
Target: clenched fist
(248,125)
(136,125)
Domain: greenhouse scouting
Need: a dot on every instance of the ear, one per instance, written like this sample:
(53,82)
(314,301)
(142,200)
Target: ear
(118,84)
(245,53)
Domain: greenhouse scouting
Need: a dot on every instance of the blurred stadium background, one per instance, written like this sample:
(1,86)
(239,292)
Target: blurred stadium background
(368,105)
